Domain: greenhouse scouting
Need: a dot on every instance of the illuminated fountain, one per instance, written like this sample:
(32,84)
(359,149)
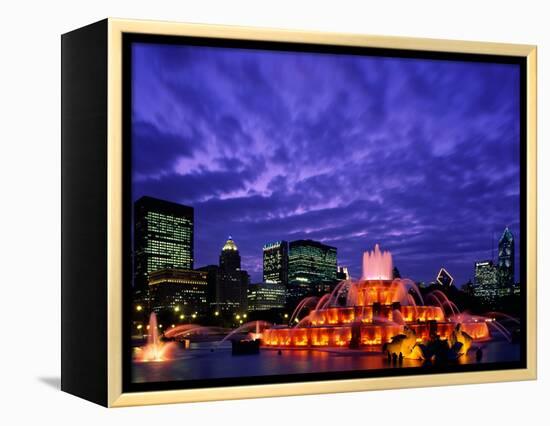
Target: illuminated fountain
(378,310)
(155,350)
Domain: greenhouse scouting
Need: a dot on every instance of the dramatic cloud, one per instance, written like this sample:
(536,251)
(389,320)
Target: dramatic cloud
(421,156)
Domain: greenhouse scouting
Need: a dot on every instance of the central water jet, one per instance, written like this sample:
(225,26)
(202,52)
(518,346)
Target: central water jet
(377,265)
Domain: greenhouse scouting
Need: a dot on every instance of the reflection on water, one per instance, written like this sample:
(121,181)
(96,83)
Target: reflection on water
(200,362)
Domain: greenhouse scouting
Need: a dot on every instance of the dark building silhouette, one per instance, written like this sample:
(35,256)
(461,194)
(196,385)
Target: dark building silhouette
(311,262)
(232,282)
(469,288)
(506,259)
(163,238)
(275,263)
(212,278)
(396,273)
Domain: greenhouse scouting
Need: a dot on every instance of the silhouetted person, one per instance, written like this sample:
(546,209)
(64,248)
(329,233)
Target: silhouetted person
(479,354)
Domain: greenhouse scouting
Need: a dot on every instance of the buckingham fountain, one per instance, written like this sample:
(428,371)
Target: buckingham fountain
(375,322)
(379,310)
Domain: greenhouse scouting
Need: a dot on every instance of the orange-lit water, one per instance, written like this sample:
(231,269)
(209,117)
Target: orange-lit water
(200,363)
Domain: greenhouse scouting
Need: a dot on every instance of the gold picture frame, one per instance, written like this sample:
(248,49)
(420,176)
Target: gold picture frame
(115,28)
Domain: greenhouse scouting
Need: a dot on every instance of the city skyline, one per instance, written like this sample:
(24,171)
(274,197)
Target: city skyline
(268,148)
(279,259)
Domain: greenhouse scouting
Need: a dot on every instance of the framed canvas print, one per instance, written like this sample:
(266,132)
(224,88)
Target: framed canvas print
(250,212)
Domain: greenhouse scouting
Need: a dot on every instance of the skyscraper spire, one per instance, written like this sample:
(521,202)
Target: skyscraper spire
(230,245)
(506,258)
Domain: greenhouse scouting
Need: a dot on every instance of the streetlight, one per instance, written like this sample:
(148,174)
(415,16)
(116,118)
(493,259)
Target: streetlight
(139,308)
(216,313)
(176,308)
(182,316)
(244,315)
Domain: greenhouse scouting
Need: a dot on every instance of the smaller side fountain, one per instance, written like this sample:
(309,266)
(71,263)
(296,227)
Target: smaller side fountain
(155,350)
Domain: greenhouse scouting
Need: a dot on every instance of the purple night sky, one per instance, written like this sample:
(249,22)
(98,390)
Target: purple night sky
(418,155)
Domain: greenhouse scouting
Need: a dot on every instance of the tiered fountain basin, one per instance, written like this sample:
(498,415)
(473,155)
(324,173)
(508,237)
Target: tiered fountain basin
(376,300)
(370,334)
(370,314)
(372,311)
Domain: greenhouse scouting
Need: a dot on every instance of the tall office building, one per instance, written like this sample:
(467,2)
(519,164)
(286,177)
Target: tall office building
(311,262)
(275,263)
(265,296)
(163,238)
(230,258)
(181,289)
(486,281)
(232,282)
(506,259)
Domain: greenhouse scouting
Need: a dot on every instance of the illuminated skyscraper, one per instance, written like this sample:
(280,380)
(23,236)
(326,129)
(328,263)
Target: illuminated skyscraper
(163,237)
(183,290)
(311,262)
(265,296)
(486,281)
(275,263)
(232,282)
(506,259)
